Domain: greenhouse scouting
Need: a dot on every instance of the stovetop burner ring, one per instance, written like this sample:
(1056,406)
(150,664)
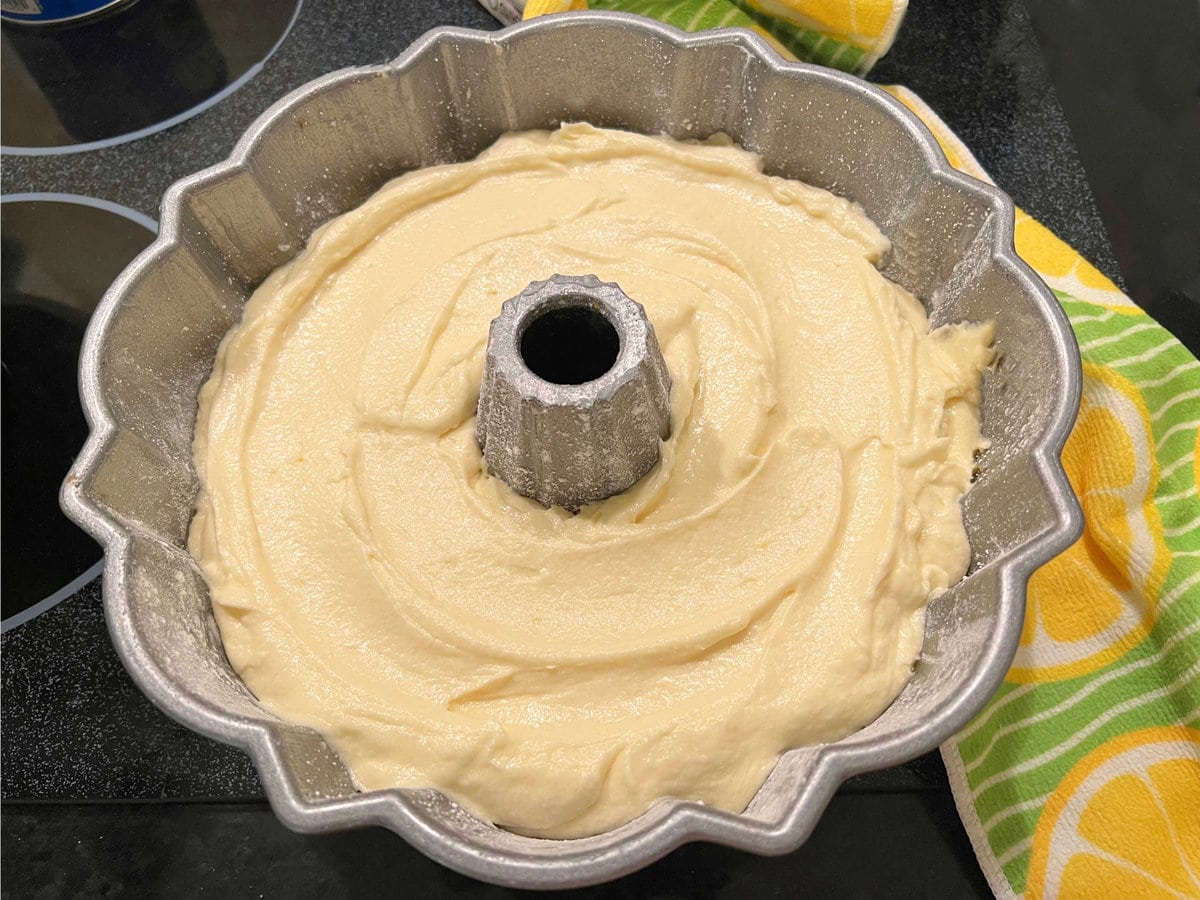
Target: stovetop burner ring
(100,82)
(61,252)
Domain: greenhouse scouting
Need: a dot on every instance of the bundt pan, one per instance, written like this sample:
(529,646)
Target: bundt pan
(324,149)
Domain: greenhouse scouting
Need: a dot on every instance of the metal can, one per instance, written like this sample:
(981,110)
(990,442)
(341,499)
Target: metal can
(47,12)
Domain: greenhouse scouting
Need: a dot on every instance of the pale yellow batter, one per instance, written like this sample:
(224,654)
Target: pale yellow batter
(762,588)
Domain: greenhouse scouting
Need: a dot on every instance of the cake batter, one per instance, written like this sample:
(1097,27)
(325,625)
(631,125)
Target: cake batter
(762,588)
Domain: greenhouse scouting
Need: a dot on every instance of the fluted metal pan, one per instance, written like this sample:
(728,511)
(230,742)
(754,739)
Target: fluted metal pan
(325,148)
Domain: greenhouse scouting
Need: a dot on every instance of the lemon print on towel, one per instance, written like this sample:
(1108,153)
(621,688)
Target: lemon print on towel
(1123,822)
(1091,604)
(1064,269)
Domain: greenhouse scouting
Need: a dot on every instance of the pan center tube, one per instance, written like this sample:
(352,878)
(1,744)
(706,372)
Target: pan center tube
(575,397)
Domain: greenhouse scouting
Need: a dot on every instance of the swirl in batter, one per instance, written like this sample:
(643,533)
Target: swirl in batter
(762,588)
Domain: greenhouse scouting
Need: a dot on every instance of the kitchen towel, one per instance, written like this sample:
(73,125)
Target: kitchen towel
(850,35)
(1081,777)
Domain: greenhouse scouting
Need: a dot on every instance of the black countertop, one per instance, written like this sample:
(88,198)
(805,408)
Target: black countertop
(102,794)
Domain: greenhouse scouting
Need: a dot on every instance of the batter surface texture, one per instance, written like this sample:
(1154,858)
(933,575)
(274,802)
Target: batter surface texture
(761,588)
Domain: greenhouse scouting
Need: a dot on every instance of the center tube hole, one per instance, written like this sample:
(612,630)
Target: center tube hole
(570,345)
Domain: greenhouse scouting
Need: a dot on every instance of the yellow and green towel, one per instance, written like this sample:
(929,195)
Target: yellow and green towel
(850,35)
(1081,777)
